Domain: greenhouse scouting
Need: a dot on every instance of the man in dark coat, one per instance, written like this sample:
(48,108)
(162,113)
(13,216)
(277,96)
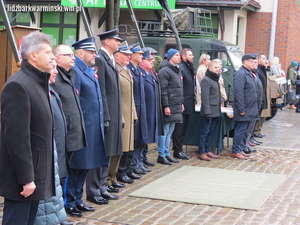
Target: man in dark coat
(26,153)
(245,104)
(210,109)
(64,86)
(110,89)
(188,74)
(262,75)
(172,102)
(141,137)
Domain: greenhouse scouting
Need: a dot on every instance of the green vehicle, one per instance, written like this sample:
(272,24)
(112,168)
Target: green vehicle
(229,54)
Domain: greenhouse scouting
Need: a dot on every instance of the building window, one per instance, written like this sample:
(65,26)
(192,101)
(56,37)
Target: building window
(16,19)
(61,26)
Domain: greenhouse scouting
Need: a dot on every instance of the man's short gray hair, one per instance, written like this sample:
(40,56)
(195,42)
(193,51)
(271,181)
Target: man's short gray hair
(32,42)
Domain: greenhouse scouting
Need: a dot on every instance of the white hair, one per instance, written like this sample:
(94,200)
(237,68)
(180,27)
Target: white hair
(32,42)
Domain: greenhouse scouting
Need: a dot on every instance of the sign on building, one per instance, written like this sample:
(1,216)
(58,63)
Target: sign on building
(137,4)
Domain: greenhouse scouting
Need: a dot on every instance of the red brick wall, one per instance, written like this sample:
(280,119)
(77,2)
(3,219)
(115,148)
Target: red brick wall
(258,32)
(287,42)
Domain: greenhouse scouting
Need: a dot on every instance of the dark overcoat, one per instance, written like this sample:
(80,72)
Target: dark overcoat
(170,80)
(245,95)
(210,95)
(60,131)
(111,96)
(141,128)
(64,86)
(262,75)
(26,152)
(188,75)
(151,106)
(87,85)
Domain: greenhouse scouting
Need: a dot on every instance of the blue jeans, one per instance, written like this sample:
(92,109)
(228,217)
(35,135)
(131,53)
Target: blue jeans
(240,136)
(164,141)
(208,127)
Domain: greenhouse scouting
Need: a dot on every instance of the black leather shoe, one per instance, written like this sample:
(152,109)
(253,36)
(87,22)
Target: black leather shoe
(125,179)
(66,222)
(259,135)
(109,196)
(139,171)
(118,185)
(99,200)
(74,212)
(172,160)
(181,155)
(163,160)
(133,175)
(85,208)
(147,163)
(147,170)
(112,189)
(247,151)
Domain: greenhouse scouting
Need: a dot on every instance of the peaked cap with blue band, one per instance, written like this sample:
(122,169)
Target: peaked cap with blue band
(136,48)
(86,44)
(147,54)
(124,49)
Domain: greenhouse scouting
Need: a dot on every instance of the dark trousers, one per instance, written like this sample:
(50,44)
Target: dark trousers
(240,136)
(75,182)
(125,162)
(208,127)
(19,212)
(138,156)
(179,133)
(96,182)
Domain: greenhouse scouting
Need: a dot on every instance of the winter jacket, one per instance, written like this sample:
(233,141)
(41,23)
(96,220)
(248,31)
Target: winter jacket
(210,95)
(52,210)
(171,92)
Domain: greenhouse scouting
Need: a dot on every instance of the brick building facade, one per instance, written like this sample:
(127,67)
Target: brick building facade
(287,39)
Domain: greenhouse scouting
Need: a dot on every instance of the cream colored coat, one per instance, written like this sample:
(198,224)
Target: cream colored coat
(128,109)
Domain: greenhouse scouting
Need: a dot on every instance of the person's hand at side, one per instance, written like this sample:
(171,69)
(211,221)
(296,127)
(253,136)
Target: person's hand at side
(167,111)
(28,189)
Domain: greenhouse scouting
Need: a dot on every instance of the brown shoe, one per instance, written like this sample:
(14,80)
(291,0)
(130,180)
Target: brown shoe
(204,157)
(212,155)
(238,156)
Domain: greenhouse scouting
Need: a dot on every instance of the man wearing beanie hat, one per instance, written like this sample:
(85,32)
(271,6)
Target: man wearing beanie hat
(245,103)
(172,102)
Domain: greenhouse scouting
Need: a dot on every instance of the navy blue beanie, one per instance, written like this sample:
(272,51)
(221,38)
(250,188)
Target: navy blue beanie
(171,52)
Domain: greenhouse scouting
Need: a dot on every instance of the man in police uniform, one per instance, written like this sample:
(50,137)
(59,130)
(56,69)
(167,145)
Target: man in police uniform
(103,180)
(93,155)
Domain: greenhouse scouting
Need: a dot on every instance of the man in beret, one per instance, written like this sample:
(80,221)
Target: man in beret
(104,180)
(245,103)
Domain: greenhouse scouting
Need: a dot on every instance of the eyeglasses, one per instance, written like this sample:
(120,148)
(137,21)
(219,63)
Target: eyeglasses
(68,54)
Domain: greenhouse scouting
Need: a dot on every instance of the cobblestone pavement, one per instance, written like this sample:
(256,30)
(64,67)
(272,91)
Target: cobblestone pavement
(282,208)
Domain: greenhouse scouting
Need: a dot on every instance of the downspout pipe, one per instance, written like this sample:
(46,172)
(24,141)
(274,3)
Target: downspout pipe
(273,30)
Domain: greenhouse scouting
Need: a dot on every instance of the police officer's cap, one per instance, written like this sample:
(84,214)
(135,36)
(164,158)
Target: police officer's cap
(87,44)
(124,49)
(136,48)
(111,34)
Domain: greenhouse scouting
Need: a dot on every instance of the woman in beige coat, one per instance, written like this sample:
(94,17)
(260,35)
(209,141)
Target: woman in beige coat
(122,57)
(203,64)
